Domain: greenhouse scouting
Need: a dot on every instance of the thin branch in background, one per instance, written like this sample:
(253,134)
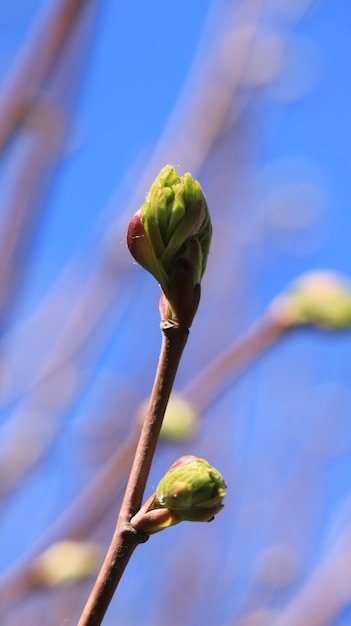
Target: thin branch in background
(75,523)
(43,132)
(31,102)
(22,208)
(38,61)
(326,592)
(205,388)
(51,393)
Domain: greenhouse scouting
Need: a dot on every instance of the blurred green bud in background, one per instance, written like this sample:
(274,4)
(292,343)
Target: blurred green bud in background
(318,298)
(66,562)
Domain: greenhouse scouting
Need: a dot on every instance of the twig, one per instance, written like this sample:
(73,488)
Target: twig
(126,538)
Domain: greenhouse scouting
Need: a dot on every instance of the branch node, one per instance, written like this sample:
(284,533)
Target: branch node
(139,536)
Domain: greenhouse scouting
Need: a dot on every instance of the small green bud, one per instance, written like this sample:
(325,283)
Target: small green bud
(66,562)
(170,237)
(319,298)
(192,489)
(181,420)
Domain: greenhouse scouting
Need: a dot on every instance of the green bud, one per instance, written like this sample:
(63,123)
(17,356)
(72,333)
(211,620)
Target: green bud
(170,237)
(192,489)
(319,298)
(180,421)
(66,562)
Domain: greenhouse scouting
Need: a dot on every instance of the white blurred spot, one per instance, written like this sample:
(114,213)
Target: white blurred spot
(22,442)
(265,60)
(276,566)
(299,73)
(294,202)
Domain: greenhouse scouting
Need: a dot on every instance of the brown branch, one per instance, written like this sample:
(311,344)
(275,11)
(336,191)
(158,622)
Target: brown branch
(126,538)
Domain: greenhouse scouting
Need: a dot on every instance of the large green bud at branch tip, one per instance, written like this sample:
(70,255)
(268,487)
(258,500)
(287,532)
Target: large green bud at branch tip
(170,237)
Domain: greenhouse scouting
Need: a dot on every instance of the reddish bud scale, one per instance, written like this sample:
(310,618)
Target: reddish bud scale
(183,460)
(184,296)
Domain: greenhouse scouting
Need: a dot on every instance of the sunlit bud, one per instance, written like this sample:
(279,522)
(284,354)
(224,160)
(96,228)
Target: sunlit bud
(319,298)
(170,237)
(192,489)
(66,562)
